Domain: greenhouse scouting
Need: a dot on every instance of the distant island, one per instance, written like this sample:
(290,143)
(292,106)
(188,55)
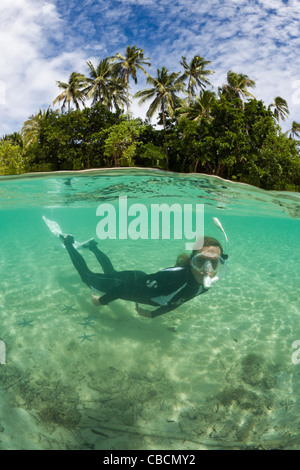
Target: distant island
(227,133)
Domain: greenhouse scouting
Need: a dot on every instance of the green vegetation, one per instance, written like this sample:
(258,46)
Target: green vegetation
(228,133)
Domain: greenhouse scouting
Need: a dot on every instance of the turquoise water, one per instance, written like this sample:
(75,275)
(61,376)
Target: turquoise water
(217,372)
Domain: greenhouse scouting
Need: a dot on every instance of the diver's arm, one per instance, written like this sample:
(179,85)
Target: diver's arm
(154,313)
(163,309)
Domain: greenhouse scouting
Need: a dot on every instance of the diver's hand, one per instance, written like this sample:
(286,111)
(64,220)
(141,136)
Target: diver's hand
(142,312)
(95,300)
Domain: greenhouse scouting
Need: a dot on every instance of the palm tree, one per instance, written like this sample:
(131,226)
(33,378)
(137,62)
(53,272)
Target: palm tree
(164,95)
(236,86)
(164,91)
(281,110)
(14,139)
(31,127)
(117,94)
(200,107)
(295,130)
(196,74)
(74,91)
(126,65)
(104,86)
(99,81)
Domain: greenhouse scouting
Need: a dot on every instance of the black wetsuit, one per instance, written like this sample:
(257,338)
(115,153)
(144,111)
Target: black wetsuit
(166,289)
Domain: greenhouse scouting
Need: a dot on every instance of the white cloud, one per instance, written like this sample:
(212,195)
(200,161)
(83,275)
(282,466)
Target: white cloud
(260,39)
(28,69)
(42,42)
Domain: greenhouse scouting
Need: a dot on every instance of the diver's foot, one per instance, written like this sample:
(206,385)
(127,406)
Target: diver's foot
(90,244)
(67,239)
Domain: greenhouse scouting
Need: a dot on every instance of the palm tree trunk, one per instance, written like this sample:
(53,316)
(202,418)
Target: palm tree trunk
(100,97)
(165,132)
(189,92)
(127,91)
(196,165)
(220,169)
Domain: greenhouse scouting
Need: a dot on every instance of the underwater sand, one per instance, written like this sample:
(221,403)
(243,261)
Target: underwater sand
(217,372)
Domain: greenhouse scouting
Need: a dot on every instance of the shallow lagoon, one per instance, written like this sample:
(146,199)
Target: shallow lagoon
(218,372)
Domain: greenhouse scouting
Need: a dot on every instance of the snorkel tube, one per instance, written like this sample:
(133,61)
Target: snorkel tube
(207,280)
(218,224)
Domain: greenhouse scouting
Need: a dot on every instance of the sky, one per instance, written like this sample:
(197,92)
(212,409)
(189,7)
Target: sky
(45,41)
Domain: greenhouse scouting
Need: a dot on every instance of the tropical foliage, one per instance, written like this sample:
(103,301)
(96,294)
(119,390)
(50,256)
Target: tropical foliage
(196,74)
(237,86)
(227,133)
(280,106)
(102,85)
(73,91)
(12,158)
(164,96)
(128,64)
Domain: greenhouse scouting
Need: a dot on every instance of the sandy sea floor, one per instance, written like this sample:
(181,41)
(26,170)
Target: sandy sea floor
(215,373)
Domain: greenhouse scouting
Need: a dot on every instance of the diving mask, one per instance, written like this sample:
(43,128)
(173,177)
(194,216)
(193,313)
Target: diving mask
(210,265)
(207,263)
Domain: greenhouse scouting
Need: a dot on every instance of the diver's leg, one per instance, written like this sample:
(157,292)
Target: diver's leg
(77,260)
(102,258)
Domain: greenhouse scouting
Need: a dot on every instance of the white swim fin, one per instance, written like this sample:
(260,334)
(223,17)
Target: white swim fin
(57,231)
(53,227)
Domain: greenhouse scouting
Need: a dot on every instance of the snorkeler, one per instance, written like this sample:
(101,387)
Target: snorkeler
(165,289)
